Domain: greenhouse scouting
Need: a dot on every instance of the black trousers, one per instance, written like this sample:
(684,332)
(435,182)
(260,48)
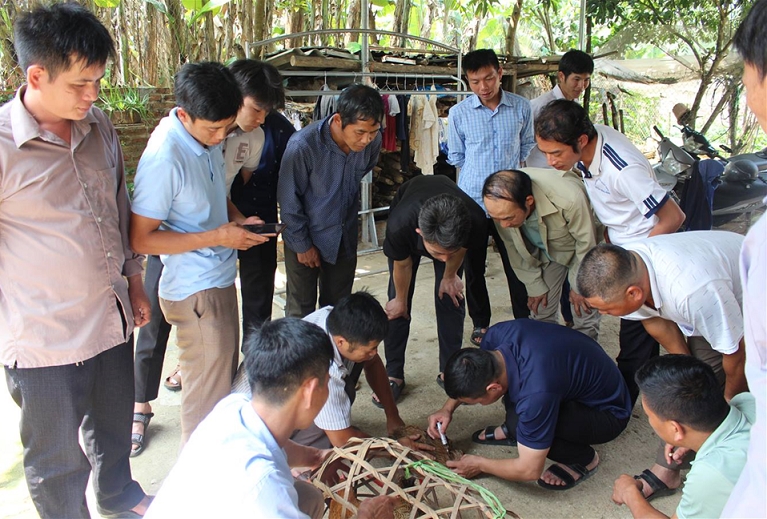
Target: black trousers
(152,339)
(578,428)
(636,347)
(476,286)
(449,323)
(257,267)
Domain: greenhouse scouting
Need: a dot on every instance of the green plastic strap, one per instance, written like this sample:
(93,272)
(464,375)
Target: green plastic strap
(499,511)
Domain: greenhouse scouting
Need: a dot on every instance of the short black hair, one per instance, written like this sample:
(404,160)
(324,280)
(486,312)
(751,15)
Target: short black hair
(52,36)
(684,389)
(259,80)
(479,59)
(511,185)
(283,355)
(751,38)
(207,91)
(576,62)
(564,121)
(606,271)
(359,318)
(359,102)
(468,373)
(445,220)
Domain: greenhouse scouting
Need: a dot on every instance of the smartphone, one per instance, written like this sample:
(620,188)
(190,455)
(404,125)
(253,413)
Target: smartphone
(266,228)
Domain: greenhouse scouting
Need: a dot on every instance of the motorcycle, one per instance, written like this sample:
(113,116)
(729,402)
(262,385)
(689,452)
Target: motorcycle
(739,182)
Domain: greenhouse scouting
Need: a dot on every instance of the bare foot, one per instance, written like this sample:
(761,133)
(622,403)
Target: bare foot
(551,479)
(672,479)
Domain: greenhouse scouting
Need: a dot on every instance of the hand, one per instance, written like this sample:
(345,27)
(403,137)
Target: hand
(379,507)
(624,487)
(320,456)
(468,466)
(580,305)
(443,416)
(310,258)
(675,454)
(393,424)
(452,286)
(396,308)
(142,310)
(234,236)
(534,302)
(412,442)
(252,220)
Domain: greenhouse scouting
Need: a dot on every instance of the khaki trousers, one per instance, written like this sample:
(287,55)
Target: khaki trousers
(208,337)
(310,499)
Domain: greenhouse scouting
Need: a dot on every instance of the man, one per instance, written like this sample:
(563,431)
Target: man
(573,78)
(623,192)
(562,394)
(318,193)
(356,326)
(487,132)
(546,222)
(684,404)
(686,291)
(429,217)
(181,212)
(252,154)
(67,312)
(748,498)
(237,463)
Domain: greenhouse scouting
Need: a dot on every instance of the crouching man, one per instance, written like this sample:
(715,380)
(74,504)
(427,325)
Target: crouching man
(237,462)
(562,394)
(685,405)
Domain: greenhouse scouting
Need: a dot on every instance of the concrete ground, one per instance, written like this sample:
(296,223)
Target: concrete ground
(630,453)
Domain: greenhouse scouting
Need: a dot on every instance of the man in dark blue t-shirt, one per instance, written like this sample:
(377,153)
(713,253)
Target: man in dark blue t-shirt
(562,394)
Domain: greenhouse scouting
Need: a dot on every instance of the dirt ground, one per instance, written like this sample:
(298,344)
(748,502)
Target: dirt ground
(630,453)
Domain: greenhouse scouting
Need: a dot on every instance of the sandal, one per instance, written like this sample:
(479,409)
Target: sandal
(658,487)
(568,478)
(396,391)
(477,335)
(490,438)
(441,381)
(173,381)
(136,438)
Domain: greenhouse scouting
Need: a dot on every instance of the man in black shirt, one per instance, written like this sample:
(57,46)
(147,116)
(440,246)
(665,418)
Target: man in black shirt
(430,216)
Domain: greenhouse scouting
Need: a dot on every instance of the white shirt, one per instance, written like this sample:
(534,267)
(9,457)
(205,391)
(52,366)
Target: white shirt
(622,187)
(749,498)
(242,150)
(231,467)
(336,414)
(537,159)
(695,283)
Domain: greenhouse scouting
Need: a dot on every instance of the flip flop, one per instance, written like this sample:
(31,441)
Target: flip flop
(136,438)
(441,381)
(659,488)
(477,335)
(396,391)
(565,476)
(490,438)
(173,381)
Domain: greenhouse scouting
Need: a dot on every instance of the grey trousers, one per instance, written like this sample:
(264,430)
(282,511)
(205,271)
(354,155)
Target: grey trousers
(95,396)
(554,275)
(335,282)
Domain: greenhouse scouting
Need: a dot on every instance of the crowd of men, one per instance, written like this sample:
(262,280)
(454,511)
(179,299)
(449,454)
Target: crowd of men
(581,224)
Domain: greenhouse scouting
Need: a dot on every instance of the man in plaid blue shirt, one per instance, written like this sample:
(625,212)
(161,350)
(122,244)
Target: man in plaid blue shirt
(489,131)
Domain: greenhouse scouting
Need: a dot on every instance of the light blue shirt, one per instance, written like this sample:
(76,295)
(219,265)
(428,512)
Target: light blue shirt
(532,232)
(183,183)
(482,141)
(231,467)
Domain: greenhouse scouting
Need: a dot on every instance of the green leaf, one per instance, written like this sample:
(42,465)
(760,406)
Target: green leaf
(192,5)
(353,47)
(157,4)
(278,31)
(381,3)
(210,6)
(107,3)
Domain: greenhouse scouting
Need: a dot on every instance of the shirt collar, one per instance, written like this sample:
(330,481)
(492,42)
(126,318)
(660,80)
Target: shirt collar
(476,103)
(596,163)
(543,206)
(557,92)
(656,297)
(185,137)
(326,137)
(25,127)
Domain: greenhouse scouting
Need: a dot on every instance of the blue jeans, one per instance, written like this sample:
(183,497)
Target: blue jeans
(56,402)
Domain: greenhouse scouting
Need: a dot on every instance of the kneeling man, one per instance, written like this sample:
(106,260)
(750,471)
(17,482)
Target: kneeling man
(562,394)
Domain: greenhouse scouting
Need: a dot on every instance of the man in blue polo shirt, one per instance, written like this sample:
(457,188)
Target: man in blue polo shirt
(562,394)
(181,212)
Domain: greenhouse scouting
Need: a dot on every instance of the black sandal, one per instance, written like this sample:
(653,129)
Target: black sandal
(568,478)
(136,438)
(490,438)
(477,335)
(396,391)
(658,487)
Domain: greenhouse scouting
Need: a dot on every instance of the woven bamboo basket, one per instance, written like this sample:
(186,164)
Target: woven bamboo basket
(370,467)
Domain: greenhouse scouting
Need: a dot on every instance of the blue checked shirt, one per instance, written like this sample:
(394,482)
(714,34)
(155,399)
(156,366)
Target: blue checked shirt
(318,191)
(482,141)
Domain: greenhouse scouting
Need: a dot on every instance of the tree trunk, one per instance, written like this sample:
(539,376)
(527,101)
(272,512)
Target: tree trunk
(587,36)
(354,19)
(296,24)
(429,14)
(178,32)
(511,33)
(402,19)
